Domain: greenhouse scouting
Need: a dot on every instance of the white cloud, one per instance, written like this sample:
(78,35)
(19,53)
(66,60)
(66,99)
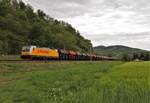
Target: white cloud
(113,22)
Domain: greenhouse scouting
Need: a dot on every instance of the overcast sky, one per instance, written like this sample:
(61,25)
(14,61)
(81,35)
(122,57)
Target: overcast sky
(104,22)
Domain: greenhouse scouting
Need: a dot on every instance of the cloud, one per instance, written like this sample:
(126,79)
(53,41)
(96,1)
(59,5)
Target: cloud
(105,22)
(61,8)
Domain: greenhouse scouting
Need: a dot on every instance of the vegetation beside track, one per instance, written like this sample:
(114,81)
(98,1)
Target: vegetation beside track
(10,57)
(75,82)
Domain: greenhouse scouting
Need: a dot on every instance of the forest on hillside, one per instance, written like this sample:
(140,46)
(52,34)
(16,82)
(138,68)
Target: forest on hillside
(123,52)
(20,25)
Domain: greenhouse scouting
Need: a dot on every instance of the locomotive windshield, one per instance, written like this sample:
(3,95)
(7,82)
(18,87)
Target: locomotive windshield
(26,49)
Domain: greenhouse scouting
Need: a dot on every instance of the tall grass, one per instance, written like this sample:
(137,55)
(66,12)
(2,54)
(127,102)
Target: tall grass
(97,82)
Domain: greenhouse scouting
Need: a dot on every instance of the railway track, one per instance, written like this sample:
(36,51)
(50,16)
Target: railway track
(38,61)
(21,61)
(42,61)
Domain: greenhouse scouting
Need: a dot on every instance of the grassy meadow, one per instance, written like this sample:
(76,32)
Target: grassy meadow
(75,82)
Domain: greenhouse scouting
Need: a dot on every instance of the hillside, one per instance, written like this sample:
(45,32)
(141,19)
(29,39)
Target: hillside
(20,25)
(116,50)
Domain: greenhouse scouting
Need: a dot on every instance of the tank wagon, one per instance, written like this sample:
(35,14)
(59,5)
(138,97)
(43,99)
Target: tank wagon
(38,53)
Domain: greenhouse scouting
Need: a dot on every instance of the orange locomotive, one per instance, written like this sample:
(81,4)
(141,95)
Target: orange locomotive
(32,52)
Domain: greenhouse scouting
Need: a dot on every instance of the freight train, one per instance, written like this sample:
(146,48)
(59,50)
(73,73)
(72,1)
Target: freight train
(36,53)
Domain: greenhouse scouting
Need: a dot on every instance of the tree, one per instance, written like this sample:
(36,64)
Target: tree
(4,7)
(22,5)
(41,14)
(147,56)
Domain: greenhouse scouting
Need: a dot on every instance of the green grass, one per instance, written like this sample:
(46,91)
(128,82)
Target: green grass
(75,82)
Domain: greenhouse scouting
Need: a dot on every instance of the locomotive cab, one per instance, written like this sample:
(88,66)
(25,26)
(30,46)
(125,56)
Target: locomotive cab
(26,51)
